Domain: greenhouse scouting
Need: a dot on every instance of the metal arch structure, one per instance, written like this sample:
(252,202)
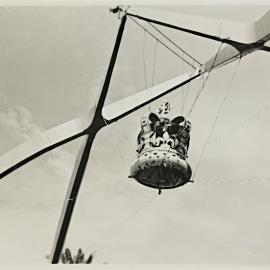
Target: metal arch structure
(240,40)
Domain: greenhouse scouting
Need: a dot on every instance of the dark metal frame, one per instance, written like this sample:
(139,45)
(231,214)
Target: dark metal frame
(97,123)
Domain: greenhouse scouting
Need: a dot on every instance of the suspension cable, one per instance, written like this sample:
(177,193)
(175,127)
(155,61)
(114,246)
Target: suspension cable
(185,96)
(144,63)
(144,68)
(196,98)
(154,64)
(216,119)
(161,42)
(97,244)
(176,45)
(182,107)
(183,89)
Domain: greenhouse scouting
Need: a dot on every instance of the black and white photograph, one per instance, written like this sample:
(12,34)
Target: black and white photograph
(135,134)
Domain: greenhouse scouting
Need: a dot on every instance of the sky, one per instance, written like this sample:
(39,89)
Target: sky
(53,63)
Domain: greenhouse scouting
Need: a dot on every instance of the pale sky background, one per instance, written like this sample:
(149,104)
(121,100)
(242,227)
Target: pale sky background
(53,62)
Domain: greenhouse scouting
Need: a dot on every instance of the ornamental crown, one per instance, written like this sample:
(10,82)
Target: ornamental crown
(158,132)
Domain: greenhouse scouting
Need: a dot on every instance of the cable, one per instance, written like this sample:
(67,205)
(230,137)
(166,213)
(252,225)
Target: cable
(144,68)
(183,90)
(144,64)
(154,64)
(162,42)
(182,111)
(196,98)
(186,95)
(125,220)
(216,119)
(177,46)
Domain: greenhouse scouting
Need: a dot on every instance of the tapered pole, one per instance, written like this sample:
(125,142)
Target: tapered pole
(83,156)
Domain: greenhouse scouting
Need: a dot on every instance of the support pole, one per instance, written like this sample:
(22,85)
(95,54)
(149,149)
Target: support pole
(83,156)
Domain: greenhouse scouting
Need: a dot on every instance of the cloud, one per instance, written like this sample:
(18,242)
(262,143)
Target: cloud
(17,124)
(17,120)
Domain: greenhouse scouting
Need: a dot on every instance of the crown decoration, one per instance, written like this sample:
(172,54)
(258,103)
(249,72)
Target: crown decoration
(158,132)
(164,108)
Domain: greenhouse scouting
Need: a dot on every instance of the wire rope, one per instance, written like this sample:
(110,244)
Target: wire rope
(161,42)
(144,63)
(176,45)
(216,119)
(204,83)
(154,63)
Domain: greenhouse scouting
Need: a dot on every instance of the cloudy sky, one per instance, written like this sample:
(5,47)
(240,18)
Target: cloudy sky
(53,63)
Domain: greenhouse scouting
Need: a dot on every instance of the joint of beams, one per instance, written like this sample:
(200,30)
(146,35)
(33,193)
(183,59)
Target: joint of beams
(244,48)
(119,10)
(98,123)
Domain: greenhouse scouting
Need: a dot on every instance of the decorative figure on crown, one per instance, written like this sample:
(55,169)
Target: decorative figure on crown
(144,137)
(160,122)
(183,137)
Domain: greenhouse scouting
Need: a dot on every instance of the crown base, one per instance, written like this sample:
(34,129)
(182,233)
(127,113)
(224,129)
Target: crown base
(161,169)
